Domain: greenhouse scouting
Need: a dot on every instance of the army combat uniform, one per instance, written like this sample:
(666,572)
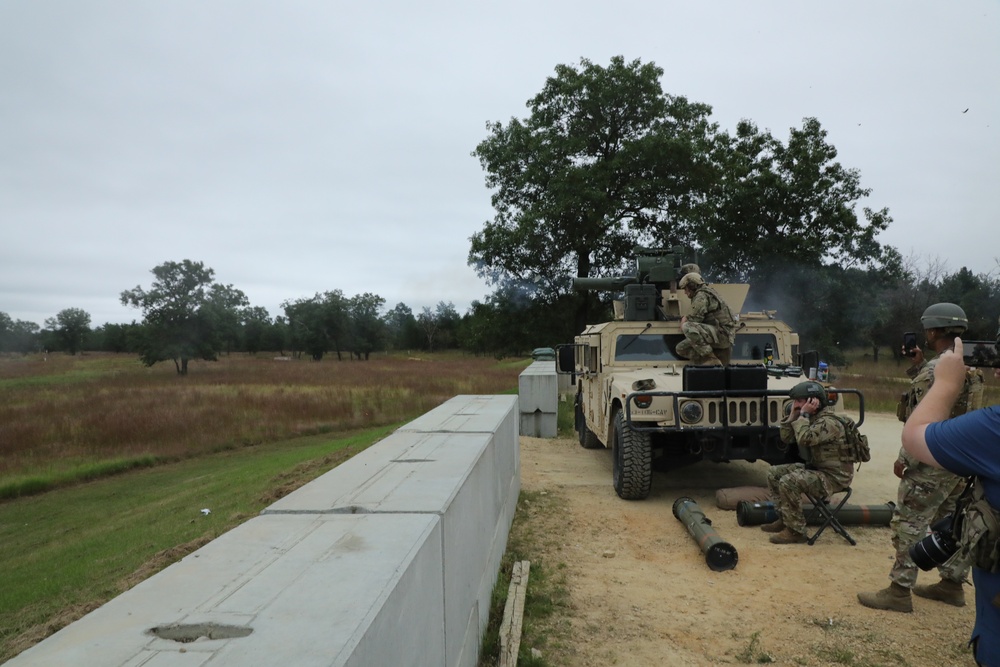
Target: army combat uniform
(926,493)
(822,441)
(708,328)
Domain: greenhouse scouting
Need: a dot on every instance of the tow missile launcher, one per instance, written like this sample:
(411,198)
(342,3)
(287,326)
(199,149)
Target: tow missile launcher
(652,407)
(719,554)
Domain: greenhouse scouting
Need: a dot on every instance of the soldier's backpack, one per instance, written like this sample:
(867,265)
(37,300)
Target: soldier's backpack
(856,449)
(977,528)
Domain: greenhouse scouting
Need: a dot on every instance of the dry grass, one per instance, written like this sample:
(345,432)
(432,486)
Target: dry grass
(108,412)
(883,382)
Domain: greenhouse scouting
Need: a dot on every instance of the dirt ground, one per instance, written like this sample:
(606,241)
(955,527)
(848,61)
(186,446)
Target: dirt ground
(641,593)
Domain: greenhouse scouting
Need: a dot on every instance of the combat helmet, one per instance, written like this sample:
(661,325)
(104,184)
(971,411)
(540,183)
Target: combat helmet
(688,268)
(947,316)
(693,279)
(809,389)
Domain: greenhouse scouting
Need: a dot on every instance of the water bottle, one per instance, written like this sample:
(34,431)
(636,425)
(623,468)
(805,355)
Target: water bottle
(768,355)
(823,373)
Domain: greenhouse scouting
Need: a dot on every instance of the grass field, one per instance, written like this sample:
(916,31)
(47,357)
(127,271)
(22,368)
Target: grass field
(64,419)
(883,382)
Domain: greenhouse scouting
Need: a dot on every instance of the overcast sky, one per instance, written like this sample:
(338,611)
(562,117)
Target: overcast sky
(298,147)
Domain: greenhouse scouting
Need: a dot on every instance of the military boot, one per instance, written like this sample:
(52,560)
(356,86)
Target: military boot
(946,590)
(773,527)
(893,598)
(788,536)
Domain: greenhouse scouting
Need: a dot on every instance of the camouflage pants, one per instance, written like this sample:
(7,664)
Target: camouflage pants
(700,341)
(926,494)
(787,483)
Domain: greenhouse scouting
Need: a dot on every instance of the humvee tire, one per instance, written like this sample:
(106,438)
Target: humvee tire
(632,468)
(587,438)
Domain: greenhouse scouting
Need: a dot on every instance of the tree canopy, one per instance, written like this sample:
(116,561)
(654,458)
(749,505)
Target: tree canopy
(776,204)
(606,161)
(71,327)
(320,323)
(186,314)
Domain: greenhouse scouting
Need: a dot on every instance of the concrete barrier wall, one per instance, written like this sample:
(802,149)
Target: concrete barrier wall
(388,559)
(538,399)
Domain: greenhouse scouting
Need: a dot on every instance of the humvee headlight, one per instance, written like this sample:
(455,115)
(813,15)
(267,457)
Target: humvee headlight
(643,401)
(691,412)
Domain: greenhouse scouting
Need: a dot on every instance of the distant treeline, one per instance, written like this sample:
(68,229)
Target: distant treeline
(833,310)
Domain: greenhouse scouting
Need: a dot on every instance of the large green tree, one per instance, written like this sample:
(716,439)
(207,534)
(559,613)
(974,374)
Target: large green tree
(6,332)
(777,204)
(71,326)
(607,161)
(319,324)
(18,335)
(439,326)
(604,161)
(402,329)
(368,326)
(186,314)
(256,323)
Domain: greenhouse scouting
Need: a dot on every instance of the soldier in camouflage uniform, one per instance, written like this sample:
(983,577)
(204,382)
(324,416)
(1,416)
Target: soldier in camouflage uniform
(926,493)
(709,328)
(822,441)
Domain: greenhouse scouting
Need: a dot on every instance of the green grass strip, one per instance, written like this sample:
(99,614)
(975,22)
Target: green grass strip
(71,549)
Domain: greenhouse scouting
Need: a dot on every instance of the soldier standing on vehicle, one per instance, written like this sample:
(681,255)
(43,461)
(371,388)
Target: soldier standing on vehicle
(926,493)
(709,328)
(821,437)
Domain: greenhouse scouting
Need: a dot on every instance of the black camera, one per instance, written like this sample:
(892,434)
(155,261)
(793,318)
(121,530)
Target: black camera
(935,549)
(910,344)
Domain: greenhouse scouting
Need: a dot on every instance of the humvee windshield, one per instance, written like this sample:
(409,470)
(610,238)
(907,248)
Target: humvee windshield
(751,346)
(659,347)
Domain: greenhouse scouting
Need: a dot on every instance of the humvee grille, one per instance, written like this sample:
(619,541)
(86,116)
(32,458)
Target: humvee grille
(741,412)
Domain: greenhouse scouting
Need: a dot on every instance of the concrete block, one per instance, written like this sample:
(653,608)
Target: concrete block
(538,388)
(495,415)
(323,590)
(465,413)
(539,424)
(389,559)
(452,475)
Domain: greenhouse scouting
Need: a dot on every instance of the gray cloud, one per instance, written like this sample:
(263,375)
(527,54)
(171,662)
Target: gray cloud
(308,146)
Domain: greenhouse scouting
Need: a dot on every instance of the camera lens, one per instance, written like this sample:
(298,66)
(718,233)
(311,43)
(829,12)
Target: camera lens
(933,550)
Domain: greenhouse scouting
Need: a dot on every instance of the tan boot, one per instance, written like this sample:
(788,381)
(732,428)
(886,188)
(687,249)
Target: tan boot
(947,591)
(773,527)
(893,598)
(788,536)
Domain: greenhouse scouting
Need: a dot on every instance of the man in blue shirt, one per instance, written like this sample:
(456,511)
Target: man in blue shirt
(967,445)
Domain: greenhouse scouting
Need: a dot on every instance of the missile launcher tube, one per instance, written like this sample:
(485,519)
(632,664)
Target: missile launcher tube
(719,554)
(756,513)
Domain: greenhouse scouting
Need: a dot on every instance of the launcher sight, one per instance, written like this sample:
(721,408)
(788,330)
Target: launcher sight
(656,269)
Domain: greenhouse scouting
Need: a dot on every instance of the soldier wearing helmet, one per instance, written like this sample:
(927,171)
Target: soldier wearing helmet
(821,437)
(926,493)
(688,268)
(709,328)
